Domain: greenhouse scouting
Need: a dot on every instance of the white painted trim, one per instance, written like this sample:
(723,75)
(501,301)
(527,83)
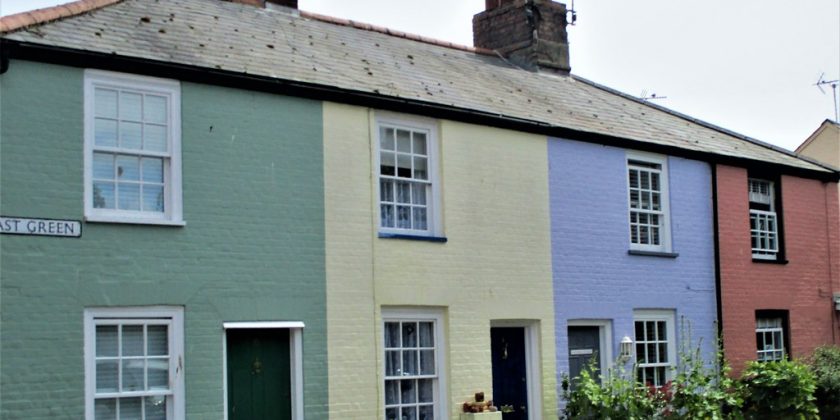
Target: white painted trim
(605,337)
(665,180)
(434,203)
(295,360)
(418,314)
(266,325)
(173,211)
(175,316)
(533,363)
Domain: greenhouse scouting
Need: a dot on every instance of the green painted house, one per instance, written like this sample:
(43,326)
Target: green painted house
(168,242)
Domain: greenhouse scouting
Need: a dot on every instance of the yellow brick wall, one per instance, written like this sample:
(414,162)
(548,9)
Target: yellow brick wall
(495,266)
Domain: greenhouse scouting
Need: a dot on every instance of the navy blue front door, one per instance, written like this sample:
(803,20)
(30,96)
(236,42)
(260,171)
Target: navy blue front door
(510,381)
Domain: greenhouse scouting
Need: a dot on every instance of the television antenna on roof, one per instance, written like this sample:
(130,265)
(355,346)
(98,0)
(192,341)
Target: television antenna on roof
(834,97)
(645,97)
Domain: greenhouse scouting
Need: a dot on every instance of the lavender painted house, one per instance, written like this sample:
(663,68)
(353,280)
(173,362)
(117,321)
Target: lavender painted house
(633,256)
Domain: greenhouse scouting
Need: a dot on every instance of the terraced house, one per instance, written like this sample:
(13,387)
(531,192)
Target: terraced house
(250,211)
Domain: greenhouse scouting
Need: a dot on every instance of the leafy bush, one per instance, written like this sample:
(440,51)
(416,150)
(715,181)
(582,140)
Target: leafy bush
(617,398)
(779,390)
(704,391)
(825,363)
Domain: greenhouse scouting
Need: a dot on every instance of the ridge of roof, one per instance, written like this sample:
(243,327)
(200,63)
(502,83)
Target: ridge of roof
(825,124)
(395,33)
(702,122)
(22,20)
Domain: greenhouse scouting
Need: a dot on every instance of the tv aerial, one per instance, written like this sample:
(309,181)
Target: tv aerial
(653,96)
(834,97)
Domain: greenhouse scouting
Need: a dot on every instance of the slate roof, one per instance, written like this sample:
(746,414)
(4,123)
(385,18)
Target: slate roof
(314,49)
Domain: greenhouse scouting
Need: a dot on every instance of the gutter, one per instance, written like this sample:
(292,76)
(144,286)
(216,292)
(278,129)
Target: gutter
(218,77)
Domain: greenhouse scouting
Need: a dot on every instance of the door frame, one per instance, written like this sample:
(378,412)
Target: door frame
(295,357)
(605,352)
(533,362)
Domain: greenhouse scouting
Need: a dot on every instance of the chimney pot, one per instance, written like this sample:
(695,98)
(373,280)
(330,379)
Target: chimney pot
(531,33)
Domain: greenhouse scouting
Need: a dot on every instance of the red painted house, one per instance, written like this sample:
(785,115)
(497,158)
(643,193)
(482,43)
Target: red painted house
(779,263)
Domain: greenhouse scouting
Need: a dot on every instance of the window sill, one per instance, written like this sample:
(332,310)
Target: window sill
(439,239)
(763,261)
(653,253)
(134,221)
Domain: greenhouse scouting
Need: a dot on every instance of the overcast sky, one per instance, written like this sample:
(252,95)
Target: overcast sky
(746,65)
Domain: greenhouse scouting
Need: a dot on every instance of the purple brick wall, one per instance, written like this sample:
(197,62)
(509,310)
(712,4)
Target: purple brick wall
(596,278)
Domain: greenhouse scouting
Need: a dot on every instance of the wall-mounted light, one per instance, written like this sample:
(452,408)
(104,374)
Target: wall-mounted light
(626,348)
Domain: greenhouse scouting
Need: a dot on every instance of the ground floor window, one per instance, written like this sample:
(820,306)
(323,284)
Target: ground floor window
(655,347)
(133,363)
(770,336)
(412,343)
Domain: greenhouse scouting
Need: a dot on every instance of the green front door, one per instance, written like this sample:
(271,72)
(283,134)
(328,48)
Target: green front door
(259,381)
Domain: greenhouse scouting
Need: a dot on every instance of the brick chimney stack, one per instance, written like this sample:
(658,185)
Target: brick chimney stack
(530,33)
(263,3)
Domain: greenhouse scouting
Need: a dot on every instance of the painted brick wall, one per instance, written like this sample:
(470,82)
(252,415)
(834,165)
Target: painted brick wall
(595,278)
(495,265)
(803,286)
(252,248)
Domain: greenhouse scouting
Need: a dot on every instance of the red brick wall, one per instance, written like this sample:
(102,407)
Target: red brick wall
(803,286)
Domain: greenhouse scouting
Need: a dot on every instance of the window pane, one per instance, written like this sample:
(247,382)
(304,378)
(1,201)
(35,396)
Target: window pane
(153,198)
(392,363)
(386,190)
(427,334)
(154,138)
(663,353)
(130,408)
(105,132)
(392,392)
(392,334)
(644,179)
(130,106)
(132,340)
(130,135)
(419,147)
(154,109)
(105,409)
(158,340)
(409,334)
(133,374)
(152,169)
(106,341)
(404,166)
(408,393)
(106,375)
(403,192)
(129,196)
(419,193)
(103,195)
(427,362)
(409,365)
(427,412)
(420,168)
(105,103)
(404,141)
(409,413)
(387,163)
(103,166)
(156,408)
(654,181)
(661,333)
(386,139)
(404,217)
(425,390)
(391,414)
(128,168)
(640,328)
(387,215)
(158,373)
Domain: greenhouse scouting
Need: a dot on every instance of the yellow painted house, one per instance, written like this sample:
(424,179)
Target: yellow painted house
(440,265)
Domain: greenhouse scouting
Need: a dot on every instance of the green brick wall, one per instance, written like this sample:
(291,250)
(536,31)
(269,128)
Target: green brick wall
(252,249)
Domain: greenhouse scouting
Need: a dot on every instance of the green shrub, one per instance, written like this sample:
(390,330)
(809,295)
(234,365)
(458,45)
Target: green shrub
(779,390)
(616,398)
(704,391)
(825,363)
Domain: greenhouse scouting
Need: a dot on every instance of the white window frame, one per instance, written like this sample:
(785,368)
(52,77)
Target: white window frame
(763,218)
(172,214)
(667,316)
(665,200)
(295,355)
(763,330)
(433,207)
(114,315)
(441,410)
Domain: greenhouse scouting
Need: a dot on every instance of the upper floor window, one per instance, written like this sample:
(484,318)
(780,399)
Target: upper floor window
(132,149)
(647,182)
(764,221)
(133,363)
(407,185)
